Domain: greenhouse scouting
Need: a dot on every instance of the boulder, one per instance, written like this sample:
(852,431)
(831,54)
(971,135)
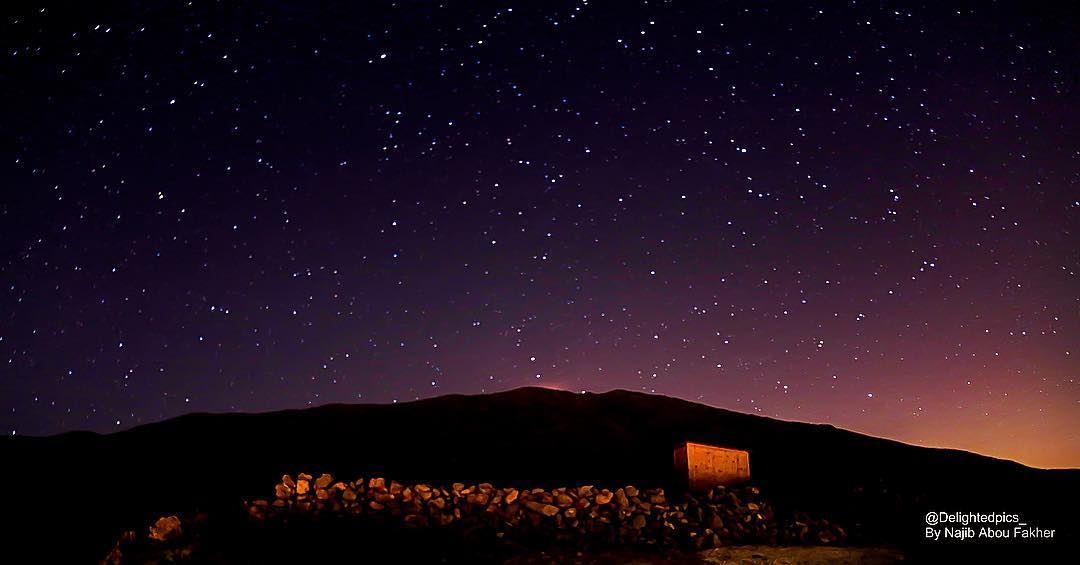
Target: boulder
(541,508)
(165,528)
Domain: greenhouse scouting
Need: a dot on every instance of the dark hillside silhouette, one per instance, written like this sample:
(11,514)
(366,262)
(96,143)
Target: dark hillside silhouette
(91,486)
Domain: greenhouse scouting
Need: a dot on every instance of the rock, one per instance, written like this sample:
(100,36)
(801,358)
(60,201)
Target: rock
(378,483)
(716,523)
(630,491)
(604,496)
(282,491)
(457,487)
(638,522)
(445,519)
(417,520)
(166,528)
(396,487)
(302,487)
(323,481)
(349,495)
(511,495)
(563,500)
(304,476)
(288,481)
(541,508)
(376,506)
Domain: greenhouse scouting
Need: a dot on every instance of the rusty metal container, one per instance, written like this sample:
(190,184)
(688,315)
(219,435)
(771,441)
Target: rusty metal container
(701,466)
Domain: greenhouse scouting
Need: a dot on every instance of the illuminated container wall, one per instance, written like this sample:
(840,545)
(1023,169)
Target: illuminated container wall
(704,466)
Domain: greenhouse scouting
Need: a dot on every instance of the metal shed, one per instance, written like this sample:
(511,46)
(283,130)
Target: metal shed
(705,466)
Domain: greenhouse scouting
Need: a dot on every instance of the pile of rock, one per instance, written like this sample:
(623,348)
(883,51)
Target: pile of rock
(572,514)
(570,518)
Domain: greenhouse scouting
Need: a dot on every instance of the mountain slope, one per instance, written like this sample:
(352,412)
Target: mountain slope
(523,437)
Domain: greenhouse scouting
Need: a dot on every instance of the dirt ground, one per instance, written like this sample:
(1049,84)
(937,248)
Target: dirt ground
(773,555)
(737,555)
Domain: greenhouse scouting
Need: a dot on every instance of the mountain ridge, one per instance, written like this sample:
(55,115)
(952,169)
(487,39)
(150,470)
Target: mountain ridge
(193,416)
(530,437)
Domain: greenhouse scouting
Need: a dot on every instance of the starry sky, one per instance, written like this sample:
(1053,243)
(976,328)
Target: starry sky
(859,213)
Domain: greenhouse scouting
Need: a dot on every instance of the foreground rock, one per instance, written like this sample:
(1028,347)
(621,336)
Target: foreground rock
(165,529)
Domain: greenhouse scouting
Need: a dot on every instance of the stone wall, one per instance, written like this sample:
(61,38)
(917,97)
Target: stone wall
(585,517)
(720,516)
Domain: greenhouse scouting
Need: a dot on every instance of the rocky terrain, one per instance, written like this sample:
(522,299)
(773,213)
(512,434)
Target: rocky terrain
(574,517)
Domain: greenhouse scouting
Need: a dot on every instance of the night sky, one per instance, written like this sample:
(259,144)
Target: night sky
(858,213)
